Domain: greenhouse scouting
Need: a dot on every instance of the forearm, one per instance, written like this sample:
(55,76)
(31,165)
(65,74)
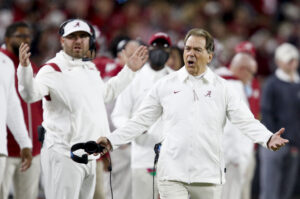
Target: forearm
(118,83)
(29,89)
(15,121)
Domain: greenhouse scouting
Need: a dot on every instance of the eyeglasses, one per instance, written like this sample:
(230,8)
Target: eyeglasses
(22,36)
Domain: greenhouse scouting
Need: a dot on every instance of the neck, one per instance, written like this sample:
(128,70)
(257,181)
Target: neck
(201,71)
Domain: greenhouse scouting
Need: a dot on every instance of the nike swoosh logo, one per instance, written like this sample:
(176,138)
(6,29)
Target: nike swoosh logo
(176,92)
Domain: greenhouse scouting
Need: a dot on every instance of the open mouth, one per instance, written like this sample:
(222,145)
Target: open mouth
(77,48)
(190,63)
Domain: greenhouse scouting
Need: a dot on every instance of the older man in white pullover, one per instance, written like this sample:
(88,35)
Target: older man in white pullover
(194,104)
(73,96)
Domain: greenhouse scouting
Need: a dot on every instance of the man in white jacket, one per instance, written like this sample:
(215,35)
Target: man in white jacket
(142,148)
(11,114)
(194,103)
(73,101)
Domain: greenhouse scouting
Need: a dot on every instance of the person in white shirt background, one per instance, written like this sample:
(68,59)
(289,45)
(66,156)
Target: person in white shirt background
(239,148)
(11,114)
(120,158)
(142,148)
(193,103)
(73,102)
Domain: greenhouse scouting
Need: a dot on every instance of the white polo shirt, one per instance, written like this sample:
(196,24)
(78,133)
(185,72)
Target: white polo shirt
(194,112)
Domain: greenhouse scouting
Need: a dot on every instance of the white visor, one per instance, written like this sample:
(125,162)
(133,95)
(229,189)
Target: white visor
(75,26)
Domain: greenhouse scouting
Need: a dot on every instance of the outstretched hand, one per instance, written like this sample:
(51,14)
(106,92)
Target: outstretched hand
(24,54)
(276,141)
(103,141)
(137,59)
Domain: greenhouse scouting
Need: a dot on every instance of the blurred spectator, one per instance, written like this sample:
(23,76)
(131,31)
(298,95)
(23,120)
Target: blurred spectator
(281,107)
(175,61)
(26,183)
(11,112)
(252,89)
(120,158)
(142,153)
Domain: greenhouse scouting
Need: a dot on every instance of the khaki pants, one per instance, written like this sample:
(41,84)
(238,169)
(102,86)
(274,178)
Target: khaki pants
(25,184)
(66,179)
(142,184)
(232,189)
(2,168)
(179,190)
(247,185)
(99,190)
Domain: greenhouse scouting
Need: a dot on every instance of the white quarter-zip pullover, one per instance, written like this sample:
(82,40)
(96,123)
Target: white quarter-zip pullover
(76,112)
(194,114)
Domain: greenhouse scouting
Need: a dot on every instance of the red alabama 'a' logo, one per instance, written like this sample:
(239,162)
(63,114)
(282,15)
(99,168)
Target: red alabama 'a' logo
(77,24)
(208,94)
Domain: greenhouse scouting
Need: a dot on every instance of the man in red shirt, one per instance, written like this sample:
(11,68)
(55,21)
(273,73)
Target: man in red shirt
(25,183)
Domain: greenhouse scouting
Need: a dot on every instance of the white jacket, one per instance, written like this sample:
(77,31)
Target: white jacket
(76,112)
(11,113)
(142,155)
(194,112)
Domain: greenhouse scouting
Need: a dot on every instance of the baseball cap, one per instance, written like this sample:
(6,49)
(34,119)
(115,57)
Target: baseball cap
(245,47)
(160,36)
(286,52)
(75,26)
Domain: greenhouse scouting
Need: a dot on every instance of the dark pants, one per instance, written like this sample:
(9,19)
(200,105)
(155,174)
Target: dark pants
(278,172)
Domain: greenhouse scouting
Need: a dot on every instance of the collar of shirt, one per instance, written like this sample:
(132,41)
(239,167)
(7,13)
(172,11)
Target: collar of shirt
(285,77)
(208,75)
(72,62)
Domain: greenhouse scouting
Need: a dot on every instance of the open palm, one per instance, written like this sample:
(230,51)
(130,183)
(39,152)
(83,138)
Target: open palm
(137,59)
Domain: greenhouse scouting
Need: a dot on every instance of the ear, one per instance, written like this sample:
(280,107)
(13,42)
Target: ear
(62,42)
(210,57)
(6,41)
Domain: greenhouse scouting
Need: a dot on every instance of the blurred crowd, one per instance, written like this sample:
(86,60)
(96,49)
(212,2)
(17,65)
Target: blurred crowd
(266,23)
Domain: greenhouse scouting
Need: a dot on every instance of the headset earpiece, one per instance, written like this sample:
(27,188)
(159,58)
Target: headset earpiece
(92,38)
(61,30)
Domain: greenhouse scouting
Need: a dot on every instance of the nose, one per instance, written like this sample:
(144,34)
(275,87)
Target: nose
(78,39)
(191,53)
(27,40)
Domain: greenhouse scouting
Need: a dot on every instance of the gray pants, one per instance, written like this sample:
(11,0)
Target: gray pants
(278,171)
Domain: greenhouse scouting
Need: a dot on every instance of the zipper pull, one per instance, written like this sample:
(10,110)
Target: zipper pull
(195,95)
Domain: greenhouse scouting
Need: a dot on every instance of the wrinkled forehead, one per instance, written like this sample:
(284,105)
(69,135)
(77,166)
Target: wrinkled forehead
(195,42)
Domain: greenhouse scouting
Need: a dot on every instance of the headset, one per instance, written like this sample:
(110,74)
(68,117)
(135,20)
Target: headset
(89,147)
(92,43)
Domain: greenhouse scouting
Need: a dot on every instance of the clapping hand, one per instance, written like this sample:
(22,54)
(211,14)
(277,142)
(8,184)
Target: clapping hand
(137,59)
